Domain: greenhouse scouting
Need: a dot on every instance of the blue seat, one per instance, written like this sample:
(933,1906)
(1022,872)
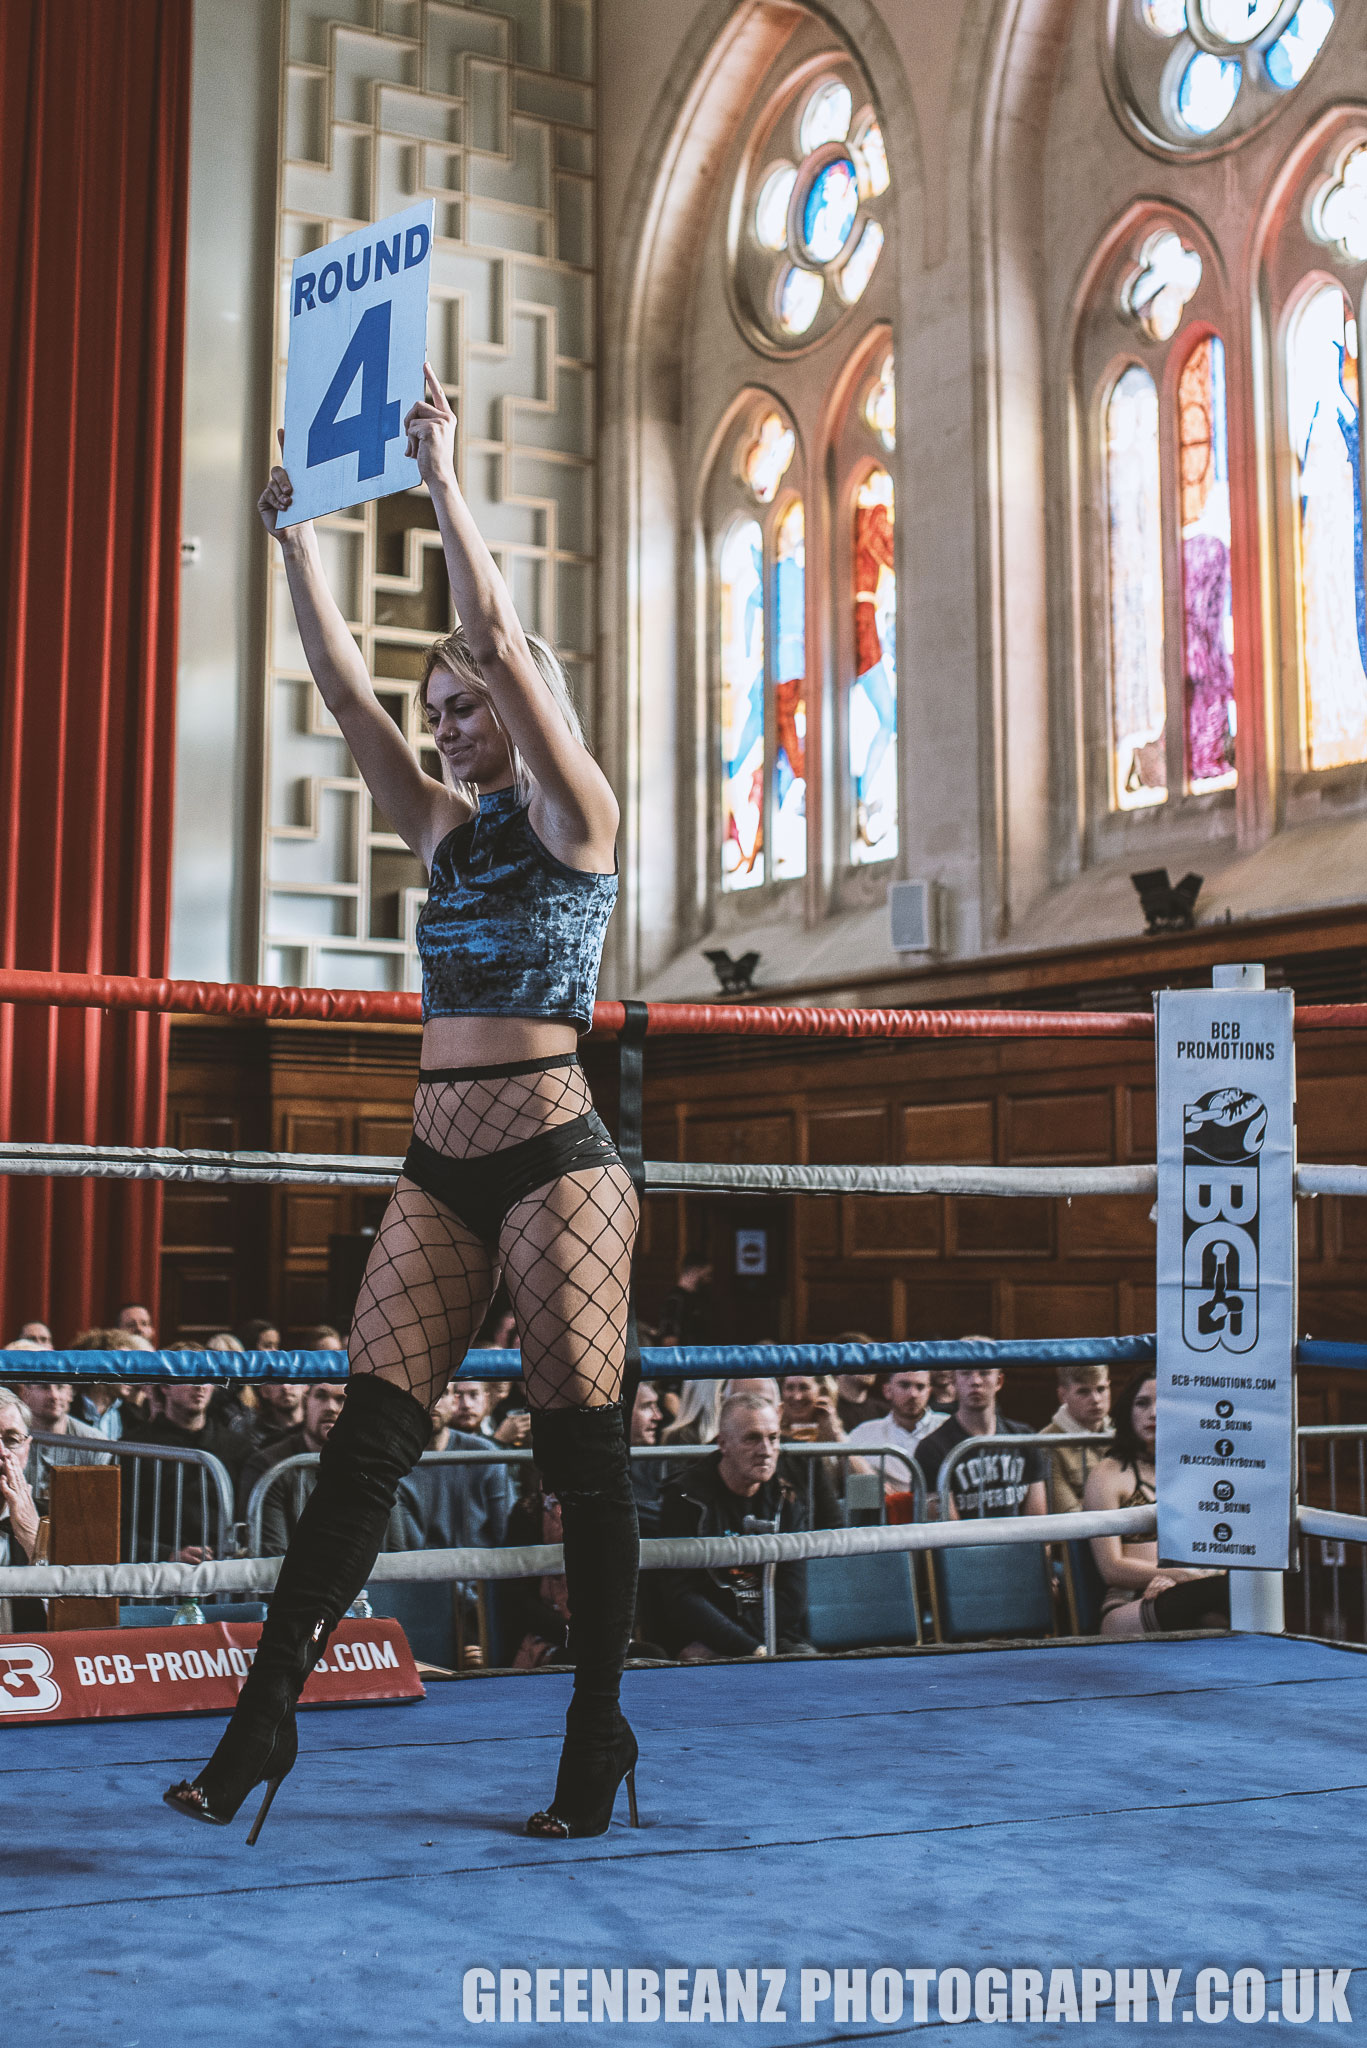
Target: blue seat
(861,1603)
(996,1589)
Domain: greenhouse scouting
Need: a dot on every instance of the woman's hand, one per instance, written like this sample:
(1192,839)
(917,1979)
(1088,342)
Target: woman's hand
(431,430)
(277,497)
(16,1496)
(1159,1583)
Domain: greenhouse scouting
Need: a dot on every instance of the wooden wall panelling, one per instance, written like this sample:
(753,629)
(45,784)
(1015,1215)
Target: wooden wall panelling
(1069,1126)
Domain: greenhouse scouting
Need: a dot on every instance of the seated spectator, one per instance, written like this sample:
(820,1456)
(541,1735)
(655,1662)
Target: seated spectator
(279,1406)
(234,1404)
(944,1394)
(35,1337)
(259,1335)
(19,1517)
(808,1412)
(536,1612)
(466,1406)
(1142,1598)
(1084,1393)
(137,1320)
(103,1402)
(455,1507)
(909,1420)
(512,1419)
(766,1389)
(647,1474)
(995,1482)
(182,1424)
(707,1614)
(284,1503)
(49,1404)
(699,1409)
(859,1396)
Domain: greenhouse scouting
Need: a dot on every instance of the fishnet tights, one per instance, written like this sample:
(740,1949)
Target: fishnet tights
(564,1251)
(469,1118)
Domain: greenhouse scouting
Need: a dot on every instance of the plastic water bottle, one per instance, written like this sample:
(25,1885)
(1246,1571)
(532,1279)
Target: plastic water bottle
(189,1611)
(360,1608)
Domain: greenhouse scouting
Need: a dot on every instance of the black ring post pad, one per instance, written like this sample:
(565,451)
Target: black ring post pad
(630,1117)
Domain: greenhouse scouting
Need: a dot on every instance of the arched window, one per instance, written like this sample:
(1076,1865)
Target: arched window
(1196,74)
(802,714)
(1165,554)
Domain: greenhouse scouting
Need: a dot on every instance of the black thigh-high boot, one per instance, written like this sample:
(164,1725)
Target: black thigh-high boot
(582,1456)
(375,1442)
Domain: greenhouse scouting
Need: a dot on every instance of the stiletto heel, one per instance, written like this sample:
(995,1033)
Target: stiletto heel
(586,1786)
(272,1787)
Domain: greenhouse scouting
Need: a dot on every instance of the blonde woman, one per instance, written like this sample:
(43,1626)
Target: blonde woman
(510,1172)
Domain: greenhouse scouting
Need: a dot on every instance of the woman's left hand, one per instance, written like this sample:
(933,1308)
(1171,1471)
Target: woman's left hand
(431,430)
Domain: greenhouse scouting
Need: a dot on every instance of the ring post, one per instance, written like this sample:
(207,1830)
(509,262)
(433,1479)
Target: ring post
(1257,1604)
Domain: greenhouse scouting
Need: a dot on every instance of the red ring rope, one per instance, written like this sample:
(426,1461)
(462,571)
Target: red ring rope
(765,1020)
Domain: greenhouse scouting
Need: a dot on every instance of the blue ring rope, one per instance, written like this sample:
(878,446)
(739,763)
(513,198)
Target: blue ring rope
(692,1361)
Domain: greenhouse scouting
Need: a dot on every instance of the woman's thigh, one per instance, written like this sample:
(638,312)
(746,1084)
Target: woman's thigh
(566,1251)
(426,1289)
(1123,1621)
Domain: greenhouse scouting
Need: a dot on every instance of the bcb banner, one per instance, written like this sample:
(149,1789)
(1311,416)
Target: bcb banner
(1226,1277)
(104,1674)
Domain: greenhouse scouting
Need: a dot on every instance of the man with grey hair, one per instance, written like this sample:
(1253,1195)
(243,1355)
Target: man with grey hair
(742,1488)
(19,1516)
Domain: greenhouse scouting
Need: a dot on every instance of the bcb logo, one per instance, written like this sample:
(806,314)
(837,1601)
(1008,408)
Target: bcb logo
(1223,1136)
(26,1686)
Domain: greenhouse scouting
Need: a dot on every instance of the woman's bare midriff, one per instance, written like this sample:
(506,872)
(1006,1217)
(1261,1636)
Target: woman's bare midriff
(493,1041)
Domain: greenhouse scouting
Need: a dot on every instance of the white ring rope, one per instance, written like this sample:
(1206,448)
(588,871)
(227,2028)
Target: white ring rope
(664,1176)
(658,1553)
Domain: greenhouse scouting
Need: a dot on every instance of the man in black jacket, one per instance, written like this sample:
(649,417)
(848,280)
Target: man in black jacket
(744,1488)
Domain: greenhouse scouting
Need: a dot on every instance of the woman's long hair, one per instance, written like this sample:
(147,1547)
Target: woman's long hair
(698,1416)
(1126,1447)
(452,652)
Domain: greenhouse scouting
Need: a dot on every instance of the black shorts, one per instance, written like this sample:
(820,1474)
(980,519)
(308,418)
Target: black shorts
(482,1189)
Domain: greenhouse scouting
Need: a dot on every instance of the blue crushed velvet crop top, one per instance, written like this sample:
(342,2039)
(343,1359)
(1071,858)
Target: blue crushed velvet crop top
(507,929)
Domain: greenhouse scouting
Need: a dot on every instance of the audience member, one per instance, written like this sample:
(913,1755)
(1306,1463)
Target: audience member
(995,1482)
(766,1389)
(944,1394)
(105,1403)
(137,1320)
(49,1405)
(36,1336)
(259,1335)
(182,1424)
(535,1612)
(859,1396)
(686,1317)
(699,1409)
(1141,1597)
(19,1517)
(808,1412)
(455,1507)
(740,1488)
(909,1420)
(1084,1393)
(284,1503)
(647,1474)
(279,1406)
(234,1403)
(467,1405)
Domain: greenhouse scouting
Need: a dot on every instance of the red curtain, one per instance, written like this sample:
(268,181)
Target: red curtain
(94,176)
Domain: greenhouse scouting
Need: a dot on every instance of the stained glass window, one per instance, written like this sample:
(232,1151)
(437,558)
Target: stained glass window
(771,208)
(1291,56)
(1339,214)
(1164,279)
(1138,694)
(742,706)
(1207,592)
(790,695)
(1324,400)
(826,116)
(871,156)
(873,699)
(880,407)
(853,279)
(830,211)
(799,297)
(768,456)
(1231,63)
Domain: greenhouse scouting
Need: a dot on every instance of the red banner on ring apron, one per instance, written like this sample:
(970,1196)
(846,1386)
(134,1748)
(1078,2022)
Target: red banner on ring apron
(93,1674)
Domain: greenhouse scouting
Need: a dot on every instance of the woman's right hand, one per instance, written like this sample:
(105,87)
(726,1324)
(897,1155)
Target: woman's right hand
(277,498)
(16,1498)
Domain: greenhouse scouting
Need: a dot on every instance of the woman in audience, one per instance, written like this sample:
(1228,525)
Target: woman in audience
(808,1410)
(1140,1599)
(699,1408)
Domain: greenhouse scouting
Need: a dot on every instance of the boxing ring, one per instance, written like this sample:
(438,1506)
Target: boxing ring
(868,1845)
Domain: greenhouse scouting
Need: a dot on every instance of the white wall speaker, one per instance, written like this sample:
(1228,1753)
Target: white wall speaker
(914,914)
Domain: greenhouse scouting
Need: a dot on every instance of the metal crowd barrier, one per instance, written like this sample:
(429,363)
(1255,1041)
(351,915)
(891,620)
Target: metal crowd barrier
(215,1492)
(1338,1485)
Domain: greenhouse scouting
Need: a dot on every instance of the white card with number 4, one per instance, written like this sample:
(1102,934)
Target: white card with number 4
(357,341)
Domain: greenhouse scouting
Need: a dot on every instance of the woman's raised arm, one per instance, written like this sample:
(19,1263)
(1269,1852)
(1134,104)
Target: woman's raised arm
(420,809)
(575,810)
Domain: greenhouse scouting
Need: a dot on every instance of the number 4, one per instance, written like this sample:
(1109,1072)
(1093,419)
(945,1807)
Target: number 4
(366,432)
